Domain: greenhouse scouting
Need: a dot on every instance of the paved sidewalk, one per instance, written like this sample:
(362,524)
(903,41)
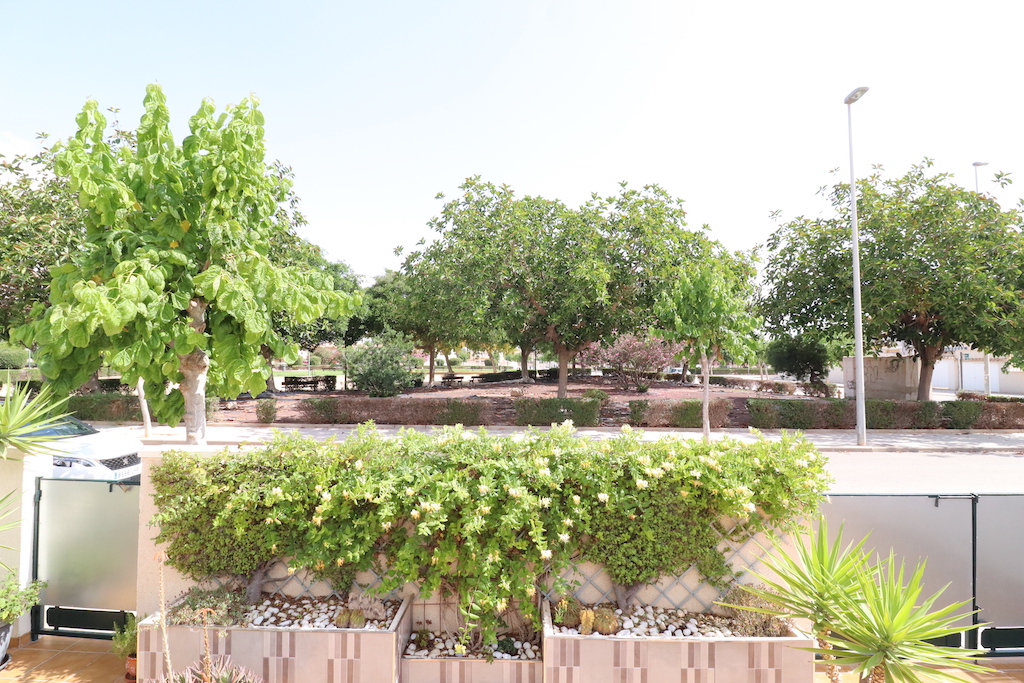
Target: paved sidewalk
(827,440)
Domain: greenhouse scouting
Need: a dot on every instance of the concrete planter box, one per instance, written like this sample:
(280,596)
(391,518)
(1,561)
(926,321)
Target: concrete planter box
(571,659)
(454,670)
(285,655)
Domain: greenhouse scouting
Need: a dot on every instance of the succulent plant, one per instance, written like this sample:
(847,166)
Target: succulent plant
(606,622)
(423,639)
(371,607)
(586,622)
(567,612)
(343,618)
(356,619)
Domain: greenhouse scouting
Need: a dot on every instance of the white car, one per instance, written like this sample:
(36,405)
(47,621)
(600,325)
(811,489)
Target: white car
(84,452)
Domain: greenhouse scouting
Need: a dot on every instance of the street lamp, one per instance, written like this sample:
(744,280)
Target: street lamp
(858,331)
(988,356)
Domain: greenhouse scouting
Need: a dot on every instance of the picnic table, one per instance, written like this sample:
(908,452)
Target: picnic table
(449,381)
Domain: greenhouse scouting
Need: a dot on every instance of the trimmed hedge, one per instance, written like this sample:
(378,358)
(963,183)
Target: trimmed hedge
(12,357)
(685,414)
(395,410)
(766,413)
(584,412)
(105,407)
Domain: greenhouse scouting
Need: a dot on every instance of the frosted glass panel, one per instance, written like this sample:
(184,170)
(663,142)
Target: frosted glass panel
(1000,557)
(915,528)
(88,542)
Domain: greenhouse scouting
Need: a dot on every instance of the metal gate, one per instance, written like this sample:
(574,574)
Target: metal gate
(85,548)
(974,543)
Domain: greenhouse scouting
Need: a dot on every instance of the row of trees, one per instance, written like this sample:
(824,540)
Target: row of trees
(180,263)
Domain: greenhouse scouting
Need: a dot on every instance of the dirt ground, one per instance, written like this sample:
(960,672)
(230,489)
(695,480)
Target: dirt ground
(616,412)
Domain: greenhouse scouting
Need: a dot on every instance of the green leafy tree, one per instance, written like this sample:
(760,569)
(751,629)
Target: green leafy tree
(804,356)
(173,283)
(940,266)
(568,277)
(384,365)
(707,310)
(40,226)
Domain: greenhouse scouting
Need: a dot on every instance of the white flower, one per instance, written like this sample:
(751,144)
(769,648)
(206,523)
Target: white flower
(326,495)
(410,491)
(276,491)
(626,429)
(468,436)
(749,507)
(641,483)
(483,489)
(603,497)
(695,474)
(576,500)
(545,472)
(545,554)
(545,502)
(567,522)
(564,538)
(515,493)
(358,464)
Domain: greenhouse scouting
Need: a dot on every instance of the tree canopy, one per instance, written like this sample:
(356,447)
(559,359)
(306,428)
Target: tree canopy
(173,283)
(940,266)
(540,270)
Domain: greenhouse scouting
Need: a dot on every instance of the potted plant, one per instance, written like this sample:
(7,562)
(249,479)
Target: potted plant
(125,643)
(15,601)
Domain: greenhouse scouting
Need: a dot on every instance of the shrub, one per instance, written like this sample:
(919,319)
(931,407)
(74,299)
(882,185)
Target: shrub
(961,414)
(1005,399)
(837,413)
(971,396)
(797,414)
(927,416)
(820,389)
(322,410)
(763,413)
(684,414)
(1000,415)
(632,358)
(212,406)
(458,412)
(266,410)
(597,395)
(105,407)
(521,509)
(583,412)
(880,414)
(638,411)
(12,357)
(384,367)
(218,607)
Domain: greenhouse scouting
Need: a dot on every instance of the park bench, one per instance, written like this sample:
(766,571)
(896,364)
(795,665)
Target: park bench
(449,381)
(312,383)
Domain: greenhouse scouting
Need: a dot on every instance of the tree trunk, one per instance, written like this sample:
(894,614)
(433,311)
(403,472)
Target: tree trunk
(927,355)
(268,354)
(564,356)
(194,369)
(686,371)
(147,422)
(432,357)
(877,675)
(705,417)
(524,362)
(92,385)
(448,362)
(624,595)
(254,585)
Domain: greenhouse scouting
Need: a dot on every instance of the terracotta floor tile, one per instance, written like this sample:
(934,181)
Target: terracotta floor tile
(24,660)
(89,645)
(106,669)
(50,643)
(62,666)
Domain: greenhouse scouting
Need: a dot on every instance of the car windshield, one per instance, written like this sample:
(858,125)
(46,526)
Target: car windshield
(66,426)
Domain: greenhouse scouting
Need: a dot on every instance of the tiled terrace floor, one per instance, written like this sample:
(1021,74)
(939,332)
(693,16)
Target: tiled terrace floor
(53,659)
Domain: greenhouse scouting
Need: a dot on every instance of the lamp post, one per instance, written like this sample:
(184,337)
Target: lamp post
(988,375)
(858,331)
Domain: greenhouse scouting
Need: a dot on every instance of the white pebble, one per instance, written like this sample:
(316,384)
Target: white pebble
(627,623)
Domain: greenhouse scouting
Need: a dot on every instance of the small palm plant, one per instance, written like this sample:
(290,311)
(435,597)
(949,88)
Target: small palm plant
(864,615)
(22,414)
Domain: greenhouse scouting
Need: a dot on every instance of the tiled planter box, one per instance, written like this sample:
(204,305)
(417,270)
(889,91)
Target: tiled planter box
(576,659)
(285,655)
(422,670)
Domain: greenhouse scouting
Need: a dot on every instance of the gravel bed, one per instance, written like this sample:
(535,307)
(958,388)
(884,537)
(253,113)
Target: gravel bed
(308,612)
(443,645)
(658,622)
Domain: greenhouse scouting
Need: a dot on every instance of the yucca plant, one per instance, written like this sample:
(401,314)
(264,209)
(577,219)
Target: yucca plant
(883,634)
(21,414)
(812,583)
(863,615)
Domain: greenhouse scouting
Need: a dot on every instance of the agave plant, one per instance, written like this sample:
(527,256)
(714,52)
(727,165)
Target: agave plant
(217,671)
(21,414)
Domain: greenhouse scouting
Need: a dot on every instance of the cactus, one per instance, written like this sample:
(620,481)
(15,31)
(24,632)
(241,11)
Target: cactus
(567,612)
(343,618)
(356,619)
(423,639)
(371,607)
(586,622)
(605,621)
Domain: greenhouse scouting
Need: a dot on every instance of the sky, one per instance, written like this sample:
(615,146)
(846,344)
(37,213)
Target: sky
(735,107)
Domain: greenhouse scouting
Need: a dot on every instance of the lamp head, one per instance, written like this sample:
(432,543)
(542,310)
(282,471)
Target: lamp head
(855,95)
(980,163)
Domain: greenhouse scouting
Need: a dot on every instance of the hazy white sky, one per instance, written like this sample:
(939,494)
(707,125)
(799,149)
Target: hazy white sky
(736,107)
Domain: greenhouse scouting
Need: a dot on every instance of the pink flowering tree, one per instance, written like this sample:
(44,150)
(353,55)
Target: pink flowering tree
(632,357)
